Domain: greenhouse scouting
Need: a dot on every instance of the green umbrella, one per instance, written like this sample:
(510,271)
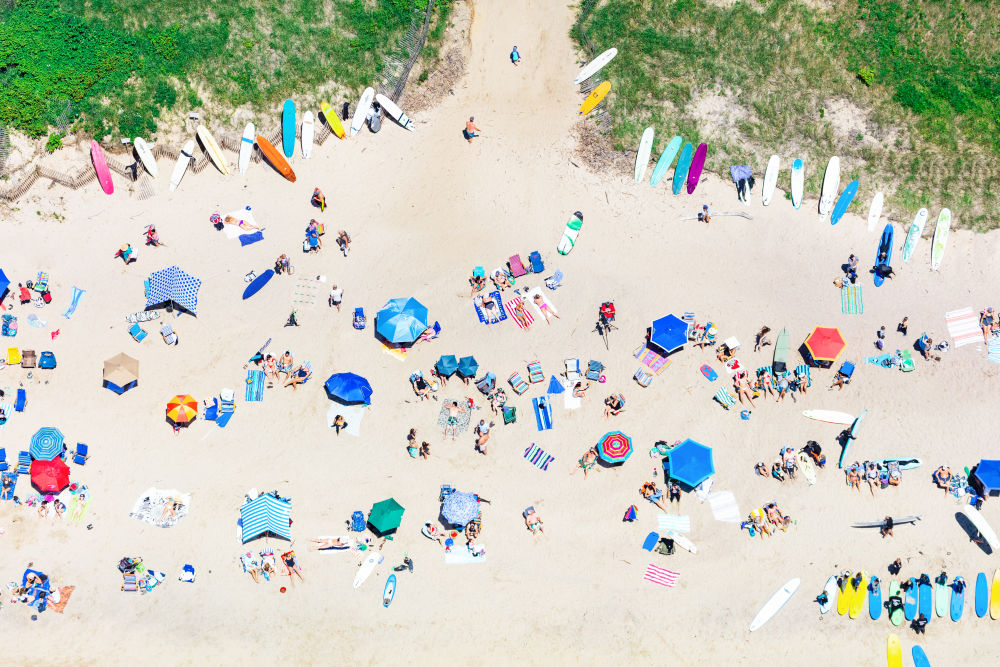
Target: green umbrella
(386,515)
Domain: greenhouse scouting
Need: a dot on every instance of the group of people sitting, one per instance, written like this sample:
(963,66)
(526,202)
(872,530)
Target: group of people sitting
(764,520)
(650,492)
(283,369)
(877,475)
(265,564)
(766,382)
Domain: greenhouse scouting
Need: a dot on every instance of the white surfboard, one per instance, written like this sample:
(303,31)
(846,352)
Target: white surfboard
(213,150)
(798,181)
(806,467)
(940,238)
(875,212)
(394,112)
(831,184)
(770,179)
(774,605)
(308,129)
(913,234)
(829,416)
(246,146)
(642,155)
(682,541)
(183,160)
(831,589)
(985,529)
(145,153)
(367,567)
(364,104)
(591,68)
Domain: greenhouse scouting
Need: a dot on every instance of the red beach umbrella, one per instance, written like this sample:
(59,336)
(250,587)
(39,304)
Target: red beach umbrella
(825,343)
(50,476)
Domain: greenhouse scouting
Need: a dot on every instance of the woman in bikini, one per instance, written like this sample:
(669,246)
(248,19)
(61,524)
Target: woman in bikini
(586,462)
(579,390)
(271,367)
(742,385)
(543,307)
(766,384)
(520,315)
(288,558)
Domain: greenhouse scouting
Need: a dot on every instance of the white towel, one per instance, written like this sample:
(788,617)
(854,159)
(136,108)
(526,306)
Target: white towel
(571,402)
(352,414)
(724,507)
(704,489)
(680,524)
(529,297)
(460,555)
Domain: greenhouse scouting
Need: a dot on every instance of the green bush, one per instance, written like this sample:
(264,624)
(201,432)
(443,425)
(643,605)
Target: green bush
(54,142)
(867,75)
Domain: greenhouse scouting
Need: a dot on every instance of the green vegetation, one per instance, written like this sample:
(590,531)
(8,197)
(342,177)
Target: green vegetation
(907,93)
(54,142)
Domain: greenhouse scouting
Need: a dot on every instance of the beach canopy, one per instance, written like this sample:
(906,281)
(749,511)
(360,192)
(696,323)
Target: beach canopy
(121,373)
(460,508)
(614,447)
(447,364)
(173,285)
(182,409)
(468,366)
(825,343)
(4,284)
(349,388)
(50,476)
(46,444)
(691,463)
(266,515)
(987,473)
(669,333)
(386,515)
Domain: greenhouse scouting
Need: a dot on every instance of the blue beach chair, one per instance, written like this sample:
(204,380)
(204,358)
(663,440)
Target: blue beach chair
(535,259)
(3,459)
(23,463)
(81,454)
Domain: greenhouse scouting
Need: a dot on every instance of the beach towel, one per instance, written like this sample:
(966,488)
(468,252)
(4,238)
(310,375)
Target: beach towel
(537,457)
(963,327)
(34,321)
(247,239)
(64,594)
(733,366)
(396,351)
(850,300)
(528,317)
(543,414)
(255,386)
(994,350)
(460,555)
(723,504)
(149,506)
(529,297)
(487,316)
(142,316)
(652,360)
(463,417)
(661,576)
(571,402)
(74,302)
(352,414)
(8,411)
(680,524)
(881,360)
(704,489)
(305,293)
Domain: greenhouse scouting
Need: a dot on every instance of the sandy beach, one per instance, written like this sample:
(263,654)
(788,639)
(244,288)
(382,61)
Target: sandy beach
(423,208)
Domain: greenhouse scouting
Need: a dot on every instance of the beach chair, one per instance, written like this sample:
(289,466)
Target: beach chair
(360,321)
(23,463)
(535,374)
(907,364)
(81,454)
(689,318)
(535,259)
(642,377)
(446,490)
(3,459)
(47,360)
(169,335)
(517,383)
(211,412)
(555,280)
(227,407)
(130,583)
(42,283)
(573,370)
(138,333)
(13,356)
(846,370)
(435,332)
(725,398)
(22,400)
(594,369)
(516,266)
(487,383)
(28,358)
(509,414)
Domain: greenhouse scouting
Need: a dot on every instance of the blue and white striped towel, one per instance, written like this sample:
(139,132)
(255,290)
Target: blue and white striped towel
(994,350)
(255,386)
(8,411)
(680,524)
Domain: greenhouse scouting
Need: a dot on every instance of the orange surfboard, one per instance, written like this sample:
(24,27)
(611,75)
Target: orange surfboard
(276,159)
(594,98)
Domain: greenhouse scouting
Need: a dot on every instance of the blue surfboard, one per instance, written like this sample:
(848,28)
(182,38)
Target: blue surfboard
(982,595)
(389,592)
(919,657)
(957,602)
(683,164)
(666,159)
(875,598)
(258,283)
(910,600)
(288,128)
(846,197)
(926,601)
(884,247)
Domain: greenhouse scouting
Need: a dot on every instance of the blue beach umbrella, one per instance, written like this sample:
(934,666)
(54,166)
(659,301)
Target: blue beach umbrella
(349,388)
(447,364)
(173,285)
(407,306)
(401,320)
(691,463)
(669,333)
(460,508)
(46,444)
(468,366)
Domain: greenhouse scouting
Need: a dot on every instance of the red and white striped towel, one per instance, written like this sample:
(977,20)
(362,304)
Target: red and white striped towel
(963,327)
(661,576)
(510,311)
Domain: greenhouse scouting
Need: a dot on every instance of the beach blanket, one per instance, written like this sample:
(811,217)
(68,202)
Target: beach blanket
(537,457)
(850,300)
(528,317)
(963,327)
(486,315)
(255,386)
(352,414)
(543,414)
(462,556)
(463,417)
(571,402)
(64,594)
(680,524)
(652,360)
(149,506)
(993,355)
(529,297)
(397,351)
(881,360)
(305,293)
(77,293)
(723,504)
(704,489)
(247,239)
(733,366)
(8,411)
(37,323)
(661,576)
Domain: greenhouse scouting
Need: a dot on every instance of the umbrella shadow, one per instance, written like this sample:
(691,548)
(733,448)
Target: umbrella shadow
(973,532)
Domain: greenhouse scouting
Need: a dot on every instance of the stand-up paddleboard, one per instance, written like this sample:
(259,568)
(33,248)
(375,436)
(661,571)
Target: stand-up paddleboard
(940,596)
(594,66)
(940,238)
(332,120)
(101,167)
(683,164)
(389,592)
(883,255)
(875,598)
(258,283)
(308,133)
(831,184)
(831,594)
(896,615)
(595,97)
(682,541)
(829,416)
(995,596)
(910,600)
(919,657)
(982,595)
(896,520)
(844,599)
(893,651)
(913,234)
(925,601)
(246,147)
(984,528)
(846,197)
(697,165)
(642,154)
(572,230)
(288,128)
(774,605)
(367,567)
(798,181)
(666,158)
(851,436)
(183,160)
(875,211)
(394,112)
(806,467)
(276,159)
(957,601)
(145,153)
(213,150)
(361,112)
(905,463)
(858,596)
(771,179)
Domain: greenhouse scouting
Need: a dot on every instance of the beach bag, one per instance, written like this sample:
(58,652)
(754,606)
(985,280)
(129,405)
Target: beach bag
(358,521)
(47,360)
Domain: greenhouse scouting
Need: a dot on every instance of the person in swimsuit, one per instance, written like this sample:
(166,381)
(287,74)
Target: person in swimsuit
(500,280)
(322,543)
(152,237)
(271,367)
(801,381)
(579,391)
(288,558)
(653,495)
(586,462)
(854,478)
(339,423)
(251,566)
(344,241)
(483,429)
(675,491)
(766,384)
(783,389)
(242,224)
(871,475)
(285,364)
(612,406)
(169,510)
(497,400)
(942,477)
(452,419)
(533,521)
(742,385)
(520,315)
(318,199)
(470,129)
(987,322)
(887,527)
(421,387)
(478,284)
(547,312)
(301,374)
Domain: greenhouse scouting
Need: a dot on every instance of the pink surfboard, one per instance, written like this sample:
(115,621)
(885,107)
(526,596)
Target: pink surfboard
(697,164)
(101,167)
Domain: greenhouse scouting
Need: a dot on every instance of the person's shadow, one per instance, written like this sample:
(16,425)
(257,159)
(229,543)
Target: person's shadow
(972,532)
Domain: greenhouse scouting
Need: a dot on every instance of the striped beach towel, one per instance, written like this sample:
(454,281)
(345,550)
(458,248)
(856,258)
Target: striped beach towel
(255,386)
(661,576)
(680,524)
(537,457)
(397,351)
(850,300)
(509,306)
(8,411)
(994,352)
(723,504)
(651,360)
(963,327)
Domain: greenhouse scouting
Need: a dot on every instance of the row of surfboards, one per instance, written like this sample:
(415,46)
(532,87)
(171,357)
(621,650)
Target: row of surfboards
(601,91)
(690,163)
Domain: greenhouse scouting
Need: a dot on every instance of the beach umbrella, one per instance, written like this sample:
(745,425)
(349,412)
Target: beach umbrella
(50,476)
(447,364)
(182,409)
(121,373)
(468,366)
(460,508)
(401,320)
(614,447)
(386,515)
(4,284)
(691,463)
(349,388)
(825,343)
(669,333)
(406,306)
(174,286)
(986,475)
(46,444)
(265,515)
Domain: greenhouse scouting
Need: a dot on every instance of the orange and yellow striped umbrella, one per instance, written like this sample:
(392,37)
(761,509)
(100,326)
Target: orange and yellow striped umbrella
(182,408)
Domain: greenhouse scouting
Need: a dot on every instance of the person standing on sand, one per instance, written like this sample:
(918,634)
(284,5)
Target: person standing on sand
(470,129)
(515,57)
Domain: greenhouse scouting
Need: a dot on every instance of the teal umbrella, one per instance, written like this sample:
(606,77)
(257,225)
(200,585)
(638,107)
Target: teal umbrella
(447,365)
(386,515)
(467,366)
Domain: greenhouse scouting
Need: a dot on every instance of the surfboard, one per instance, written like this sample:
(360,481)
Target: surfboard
(856,426)
(288,128)
(884,248)
(940,238)
(907,463)
(940,596)
(843,202)
(875,598)
(995,596)
(910,600)
(858,596)
(844,599)
(595,65)
(572,230)
(395,112)
(829,416)
(642,154)
(308,133)
(798,181)
(332,120)
(982,526)
(682,541)
(101,167)
(258,283)
(852,435)
(709,373)
(697,165)
(893,651)
(806,467)
(774,605)
(145,153)
(896,616)
(666,158)
(246,147)
(925,601)
(913,233)
(276,159)
(389,592)
(831,184)
(919,657)
(595,97)
(183,160)
(213,150)
(831,594)
(771,180)
(896,520)
(361,112)
(681,170)
(957,601)
(367,567)
(982,595)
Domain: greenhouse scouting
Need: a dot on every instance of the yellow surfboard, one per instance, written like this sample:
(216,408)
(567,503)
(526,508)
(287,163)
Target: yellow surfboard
(844,597)
(995,596)
(858,596)
(893,651)
(594,98)
(332,120)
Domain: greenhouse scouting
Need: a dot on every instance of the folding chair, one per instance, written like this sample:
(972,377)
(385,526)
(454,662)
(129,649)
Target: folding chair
(535,374)
(28,359)
(42,283)
(446,490)
(518,383)
(359,318)
(573,369)
(516,266)
(3,459)
(509,414)
(555,280)
(169,335)
(642,377)
(23,463)
(81,454)
(137,332)
(535,258)
(725,398)
(594,369)
(486,383)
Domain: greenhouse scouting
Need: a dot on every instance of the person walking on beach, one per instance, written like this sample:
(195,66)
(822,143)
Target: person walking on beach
(336,297)
(470,129)
(515,57)
(483,430)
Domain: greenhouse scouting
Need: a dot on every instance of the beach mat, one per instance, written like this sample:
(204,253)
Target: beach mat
(661,576)
(149,507)
(850,300)
(255,386)
(993,355)
(963,327)
(463,417)
(305,293)
(247,239)
(65,592)
(723,504)
(500,314)
(680,524)
(352,414)
(509,307)
(652,360)
(537,457)
(395,351)
(462,556)
(880,360)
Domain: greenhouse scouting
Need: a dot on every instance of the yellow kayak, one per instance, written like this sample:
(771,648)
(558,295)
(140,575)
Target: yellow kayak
(594,98)
(332,120)
(893,651)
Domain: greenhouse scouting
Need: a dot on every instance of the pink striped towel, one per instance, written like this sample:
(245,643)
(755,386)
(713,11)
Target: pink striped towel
(661,576)
(963,327)
(510,311)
